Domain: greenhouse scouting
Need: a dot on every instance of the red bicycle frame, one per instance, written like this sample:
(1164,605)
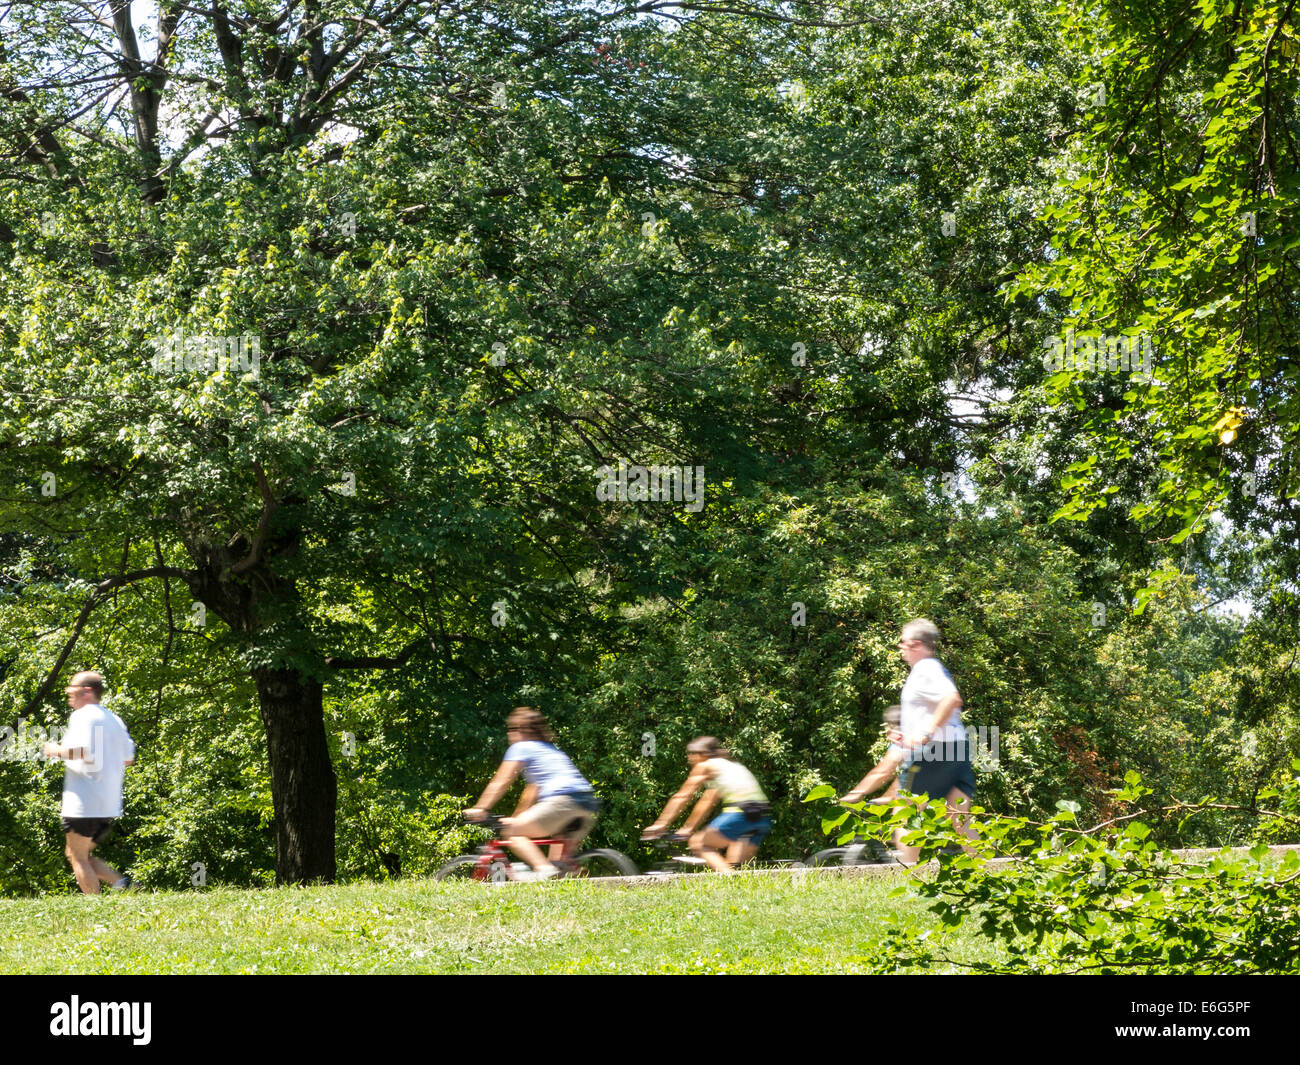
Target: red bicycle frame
(495,850)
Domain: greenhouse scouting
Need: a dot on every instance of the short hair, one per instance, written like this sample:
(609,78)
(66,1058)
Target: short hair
(89,679)
(893,715)
(529,721)
(921,629)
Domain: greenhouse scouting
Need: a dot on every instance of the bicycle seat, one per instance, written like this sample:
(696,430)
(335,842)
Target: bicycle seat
(572,826)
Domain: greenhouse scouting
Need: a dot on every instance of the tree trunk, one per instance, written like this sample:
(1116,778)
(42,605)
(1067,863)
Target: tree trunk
(303,785)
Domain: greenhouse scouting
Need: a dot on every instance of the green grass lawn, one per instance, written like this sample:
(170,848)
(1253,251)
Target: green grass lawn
(698,924)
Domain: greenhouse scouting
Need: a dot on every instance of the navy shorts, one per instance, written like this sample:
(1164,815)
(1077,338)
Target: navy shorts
(736,826)
(936,769)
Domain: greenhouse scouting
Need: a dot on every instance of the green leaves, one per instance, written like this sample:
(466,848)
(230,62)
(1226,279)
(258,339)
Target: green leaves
(828,825)
(1185,240)
(1068,809)
(1104,899)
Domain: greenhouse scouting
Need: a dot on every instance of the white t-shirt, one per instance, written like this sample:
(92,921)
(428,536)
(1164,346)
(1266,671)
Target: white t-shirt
(92,786)
(926,686)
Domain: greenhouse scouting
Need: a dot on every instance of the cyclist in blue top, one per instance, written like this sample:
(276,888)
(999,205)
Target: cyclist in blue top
(557,800)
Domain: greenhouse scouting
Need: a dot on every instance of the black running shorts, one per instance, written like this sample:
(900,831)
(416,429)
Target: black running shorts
(96,828)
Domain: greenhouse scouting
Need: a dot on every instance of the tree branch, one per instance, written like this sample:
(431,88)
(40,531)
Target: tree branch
(269,507)
(100,591)
(381,661)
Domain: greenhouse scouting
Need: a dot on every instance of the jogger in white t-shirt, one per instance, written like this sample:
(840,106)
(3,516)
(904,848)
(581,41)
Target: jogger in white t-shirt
(97,748)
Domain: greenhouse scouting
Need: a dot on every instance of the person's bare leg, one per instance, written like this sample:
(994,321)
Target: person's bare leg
(872,782)
(77,848)
(574,841)
(529,852)
(106,873)
(884,772)
(887,797)
(709,845)
(740,852)
(568,850)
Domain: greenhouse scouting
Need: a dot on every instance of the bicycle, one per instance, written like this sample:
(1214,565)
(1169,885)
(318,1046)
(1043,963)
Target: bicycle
(494,864)
(666,843)
(867,850)
(864,850)
(674,840)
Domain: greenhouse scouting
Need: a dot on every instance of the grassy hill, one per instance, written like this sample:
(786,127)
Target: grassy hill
(812,923)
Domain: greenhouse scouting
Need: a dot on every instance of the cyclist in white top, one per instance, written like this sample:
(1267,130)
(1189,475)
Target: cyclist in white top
(734,837)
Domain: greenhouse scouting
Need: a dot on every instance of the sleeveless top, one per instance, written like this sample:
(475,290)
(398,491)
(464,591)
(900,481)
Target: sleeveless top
(734,783)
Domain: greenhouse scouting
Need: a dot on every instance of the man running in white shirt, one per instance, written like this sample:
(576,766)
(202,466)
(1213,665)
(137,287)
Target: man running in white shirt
(931,731)
(97,748)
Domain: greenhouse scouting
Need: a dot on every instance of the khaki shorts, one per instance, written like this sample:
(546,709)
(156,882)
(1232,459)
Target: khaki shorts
(551,817)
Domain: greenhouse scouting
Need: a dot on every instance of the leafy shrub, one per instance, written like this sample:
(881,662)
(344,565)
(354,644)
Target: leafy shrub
(1106,899)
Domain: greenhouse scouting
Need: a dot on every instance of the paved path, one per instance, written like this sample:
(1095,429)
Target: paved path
(881,869)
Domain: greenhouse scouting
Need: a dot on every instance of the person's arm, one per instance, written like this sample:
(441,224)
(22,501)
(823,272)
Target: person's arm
(54,750)
(506,774)
(76,741)
(702,808)
(694,782)
(877,777)
(942,712)
(526,799)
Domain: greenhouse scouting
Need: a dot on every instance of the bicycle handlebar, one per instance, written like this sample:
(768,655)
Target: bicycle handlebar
(667,839)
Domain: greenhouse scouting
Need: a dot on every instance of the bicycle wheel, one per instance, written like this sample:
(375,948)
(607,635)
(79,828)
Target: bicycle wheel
(830,856)
(604,862)
(465,867)
(868,852)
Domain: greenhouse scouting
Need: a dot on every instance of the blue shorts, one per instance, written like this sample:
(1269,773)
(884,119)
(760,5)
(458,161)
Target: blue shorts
(946,767)
(737,826)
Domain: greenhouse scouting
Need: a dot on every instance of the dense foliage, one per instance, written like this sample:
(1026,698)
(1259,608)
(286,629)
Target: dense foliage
(1106,899)
(483,253)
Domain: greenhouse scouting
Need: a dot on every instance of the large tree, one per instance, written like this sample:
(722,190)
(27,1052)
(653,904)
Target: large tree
(353,193)
(477,252)
(486,251)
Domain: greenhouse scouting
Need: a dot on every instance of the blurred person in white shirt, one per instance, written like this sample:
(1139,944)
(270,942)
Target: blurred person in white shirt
(97,749)
(937,761)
